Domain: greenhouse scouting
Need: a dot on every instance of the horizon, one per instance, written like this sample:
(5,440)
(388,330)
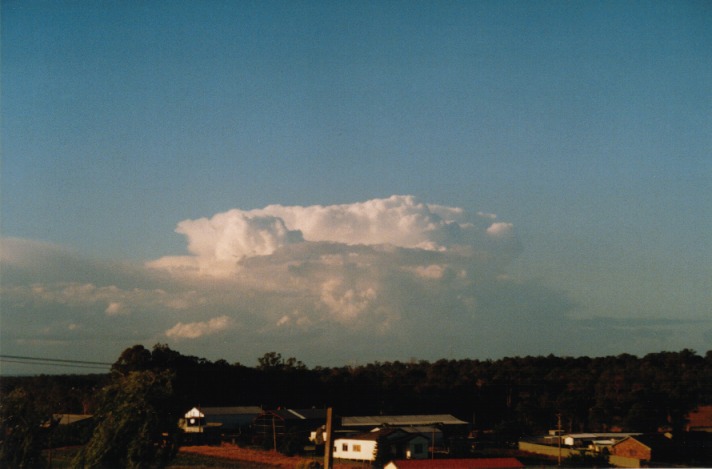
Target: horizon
(355,182)
(50,362)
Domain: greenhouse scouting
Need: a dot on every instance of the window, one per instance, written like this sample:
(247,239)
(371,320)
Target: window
(345,447)
(357,448)
(418,448)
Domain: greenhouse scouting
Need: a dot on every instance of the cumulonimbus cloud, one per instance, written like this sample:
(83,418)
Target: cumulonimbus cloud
(218,244)
(381,279)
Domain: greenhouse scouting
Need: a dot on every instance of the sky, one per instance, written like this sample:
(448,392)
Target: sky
(350,182)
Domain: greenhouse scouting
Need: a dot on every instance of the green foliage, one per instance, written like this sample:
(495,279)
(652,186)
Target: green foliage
(21,430)
(134,426)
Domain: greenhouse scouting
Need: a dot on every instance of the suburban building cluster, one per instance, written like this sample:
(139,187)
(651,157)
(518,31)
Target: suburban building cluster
(403,440)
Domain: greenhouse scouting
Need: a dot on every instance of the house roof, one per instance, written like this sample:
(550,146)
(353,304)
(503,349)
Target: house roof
(700,417)
(67,419)
(298,414)
(240,410)
(402,420)
(376,434)
(429,429)
(589,436)
(480,463)
(650,440)
(231,410)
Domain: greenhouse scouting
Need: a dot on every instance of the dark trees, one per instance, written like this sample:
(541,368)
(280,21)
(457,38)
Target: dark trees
(21,428)
(149,390)
(134,426)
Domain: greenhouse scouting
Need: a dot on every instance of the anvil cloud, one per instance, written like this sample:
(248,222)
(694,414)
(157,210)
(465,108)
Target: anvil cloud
(382,279)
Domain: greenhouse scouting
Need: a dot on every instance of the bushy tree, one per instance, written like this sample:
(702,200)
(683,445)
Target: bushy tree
(20,430)
(134,425)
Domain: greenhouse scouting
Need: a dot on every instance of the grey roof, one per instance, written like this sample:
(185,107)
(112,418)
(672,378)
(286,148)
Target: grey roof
(298,414)
(231,410)
(589,436)
(422,429)
(375,435)
(400,420)
(68,419)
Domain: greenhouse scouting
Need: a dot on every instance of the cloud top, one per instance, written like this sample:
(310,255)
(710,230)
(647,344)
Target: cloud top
(218,244)
(383,279)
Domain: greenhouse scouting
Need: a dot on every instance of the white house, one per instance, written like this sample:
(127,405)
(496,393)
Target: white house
(387,443)
(194,421)
(200,420)
(588,440)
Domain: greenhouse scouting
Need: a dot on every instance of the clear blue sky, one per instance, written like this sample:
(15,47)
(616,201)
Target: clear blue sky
(586,125)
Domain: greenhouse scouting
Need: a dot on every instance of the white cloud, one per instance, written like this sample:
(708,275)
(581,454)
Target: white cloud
(380,279)
(194,330)
(346,301)
(431,271)
(500,229)
(116,308)
(220,243)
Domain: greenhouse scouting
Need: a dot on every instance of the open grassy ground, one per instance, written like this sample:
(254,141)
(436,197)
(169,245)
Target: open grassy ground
(225,456)
(230,453)
(228,456)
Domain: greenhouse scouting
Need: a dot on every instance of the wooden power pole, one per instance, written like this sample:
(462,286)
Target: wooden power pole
(558,431)
(328,441)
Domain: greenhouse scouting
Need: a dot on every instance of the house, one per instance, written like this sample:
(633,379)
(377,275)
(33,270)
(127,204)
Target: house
(440,420)
(382,444)
(272,427)
(433,433)
(70,429)
(645,448)
(700,420)
(435,427)
(593,441)
(481,463)
(232,419)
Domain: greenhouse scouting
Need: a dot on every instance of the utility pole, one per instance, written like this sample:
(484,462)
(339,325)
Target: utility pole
(558,432)
(328,441)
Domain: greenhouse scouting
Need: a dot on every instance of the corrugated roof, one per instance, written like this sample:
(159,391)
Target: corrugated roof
(231,410)
(298,414)
(589,436)
(402,420)
(67,419)
(375,435)
(481,463)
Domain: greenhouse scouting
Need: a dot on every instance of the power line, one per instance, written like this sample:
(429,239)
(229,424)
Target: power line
(93,367)
(53,362)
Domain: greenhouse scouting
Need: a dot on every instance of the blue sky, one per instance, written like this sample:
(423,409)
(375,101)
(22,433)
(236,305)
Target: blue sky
(586,127)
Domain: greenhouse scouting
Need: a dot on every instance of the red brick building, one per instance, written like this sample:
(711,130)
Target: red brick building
(653,447)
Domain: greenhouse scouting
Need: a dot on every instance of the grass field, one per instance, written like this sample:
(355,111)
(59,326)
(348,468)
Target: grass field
(225,456)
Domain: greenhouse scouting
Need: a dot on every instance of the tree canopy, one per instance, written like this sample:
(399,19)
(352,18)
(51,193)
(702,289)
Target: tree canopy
(149,390)
(134,423)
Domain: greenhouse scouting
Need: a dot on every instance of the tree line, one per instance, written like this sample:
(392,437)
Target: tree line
(148,390)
